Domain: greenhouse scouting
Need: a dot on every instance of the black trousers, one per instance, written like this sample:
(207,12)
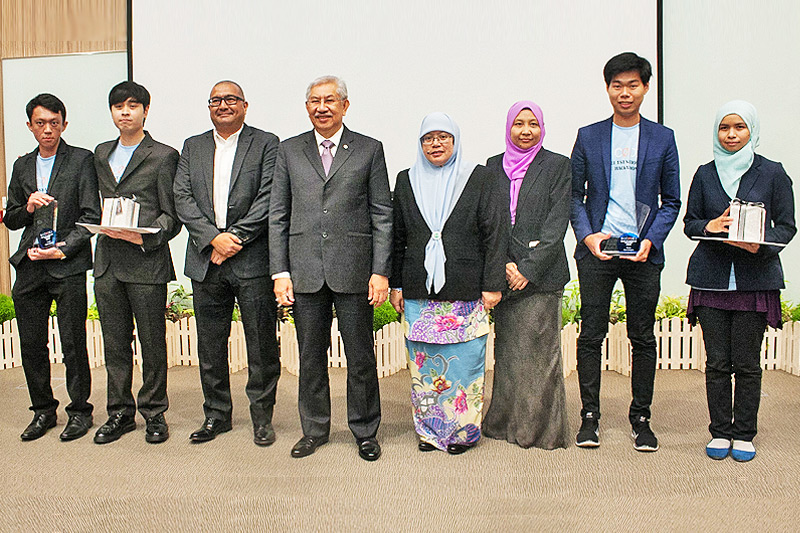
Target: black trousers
(213,306)
(642,285)
(733,348)
(312,317)
(118,303)
(33,294)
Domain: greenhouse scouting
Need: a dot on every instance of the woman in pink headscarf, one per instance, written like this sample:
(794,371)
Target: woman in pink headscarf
(528,399)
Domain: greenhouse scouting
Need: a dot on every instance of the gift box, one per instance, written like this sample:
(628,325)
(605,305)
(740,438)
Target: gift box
(748,221)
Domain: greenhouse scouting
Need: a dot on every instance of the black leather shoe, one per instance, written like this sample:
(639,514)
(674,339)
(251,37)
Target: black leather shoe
(263,434)
(426,446)
(117,426)
(157,429)
(211,428)
(369,449)
(307,446)
(77,426)
(456,449)
(39,425)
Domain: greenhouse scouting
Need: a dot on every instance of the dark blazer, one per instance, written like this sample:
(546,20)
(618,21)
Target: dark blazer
(536,241)
(73,183)
(658,183)
(335,229)
(474,239)
(248,201)
(710,263)
(148,177)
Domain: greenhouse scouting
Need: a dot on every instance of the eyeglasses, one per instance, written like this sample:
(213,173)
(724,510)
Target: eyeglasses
(443,138)
(328,100)
(229,99)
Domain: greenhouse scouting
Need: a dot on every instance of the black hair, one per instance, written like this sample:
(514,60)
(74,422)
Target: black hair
(49,102)
(232,83)
(128,89)
(627,62)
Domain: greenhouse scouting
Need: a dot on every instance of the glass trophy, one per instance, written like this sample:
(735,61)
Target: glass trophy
(627,243)
(45,219)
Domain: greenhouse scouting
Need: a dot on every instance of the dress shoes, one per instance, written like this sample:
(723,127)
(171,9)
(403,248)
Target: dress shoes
(39,425)
(77,426)
(307,446)
(369,449)
(156,429)
(426,446)
(116,426)
(457,449)
(211,428)
(263,434)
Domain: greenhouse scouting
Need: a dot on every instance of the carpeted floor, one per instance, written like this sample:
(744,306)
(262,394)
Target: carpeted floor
(230,484)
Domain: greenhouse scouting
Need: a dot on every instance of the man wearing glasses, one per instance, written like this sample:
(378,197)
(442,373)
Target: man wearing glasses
(222,194)
(330,241)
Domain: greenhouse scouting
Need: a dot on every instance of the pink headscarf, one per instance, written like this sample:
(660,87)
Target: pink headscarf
(516,160)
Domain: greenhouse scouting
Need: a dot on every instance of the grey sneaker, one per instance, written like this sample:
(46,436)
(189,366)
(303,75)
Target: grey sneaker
(589,434)
(643,438)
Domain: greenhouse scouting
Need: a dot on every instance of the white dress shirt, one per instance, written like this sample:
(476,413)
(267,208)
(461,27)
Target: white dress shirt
(223,167)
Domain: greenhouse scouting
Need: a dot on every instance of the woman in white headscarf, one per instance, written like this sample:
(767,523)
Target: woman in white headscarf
(736,285)
(448,271)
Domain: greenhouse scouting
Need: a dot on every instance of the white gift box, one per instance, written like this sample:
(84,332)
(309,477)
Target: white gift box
(748,221)
(120,212)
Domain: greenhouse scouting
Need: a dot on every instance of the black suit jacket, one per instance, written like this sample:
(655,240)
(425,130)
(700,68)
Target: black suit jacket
(248,201)
(474,239)
(73,183)
(334,229)
(710,264)
(536,241)
(148,177)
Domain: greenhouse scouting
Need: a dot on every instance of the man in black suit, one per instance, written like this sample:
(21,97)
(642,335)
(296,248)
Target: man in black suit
(222,193)
(55,171)
(330,241)
(132,269)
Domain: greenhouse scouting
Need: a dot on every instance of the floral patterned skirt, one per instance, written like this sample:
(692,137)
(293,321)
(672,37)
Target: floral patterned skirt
(447,379)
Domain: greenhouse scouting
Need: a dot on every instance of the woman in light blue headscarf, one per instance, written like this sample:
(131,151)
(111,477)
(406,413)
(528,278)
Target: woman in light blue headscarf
(736,283)
(448,271)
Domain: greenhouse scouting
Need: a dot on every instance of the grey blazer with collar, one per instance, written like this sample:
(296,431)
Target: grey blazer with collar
(73,183)
(148,177)
(248,201)
(334,229)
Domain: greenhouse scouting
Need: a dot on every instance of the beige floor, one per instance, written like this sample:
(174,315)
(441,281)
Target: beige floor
(230,484)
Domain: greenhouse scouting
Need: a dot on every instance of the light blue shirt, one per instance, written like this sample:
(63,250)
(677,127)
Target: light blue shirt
(621,213)
(118,159)
(44,168)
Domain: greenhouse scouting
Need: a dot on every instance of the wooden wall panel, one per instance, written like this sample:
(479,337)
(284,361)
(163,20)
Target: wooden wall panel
(31,28)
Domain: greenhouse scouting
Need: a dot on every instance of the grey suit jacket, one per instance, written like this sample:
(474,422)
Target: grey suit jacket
(148,177)
(73,183)
(248,201)
(335,229)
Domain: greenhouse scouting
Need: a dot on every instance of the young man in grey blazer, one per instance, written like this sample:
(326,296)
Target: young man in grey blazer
(222,193)
(58,172)
(132,269)
(330,237)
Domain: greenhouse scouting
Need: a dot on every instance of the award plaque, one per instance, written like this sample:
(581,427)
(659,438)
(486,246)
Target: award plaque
(44,224)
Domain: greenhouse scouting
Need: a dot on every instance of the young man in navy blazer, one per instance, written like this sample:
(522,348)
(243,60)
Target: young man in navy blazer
(625,180)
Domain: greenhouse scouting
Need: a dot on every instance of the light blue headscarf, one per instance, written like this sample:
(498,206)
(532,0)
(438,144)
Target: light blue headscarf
(731,166)
(436,190)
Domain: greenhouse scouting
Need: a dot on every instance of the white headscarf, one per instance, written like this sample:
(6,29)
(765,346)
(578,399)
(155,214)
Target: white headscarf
(436,190)
(731,166)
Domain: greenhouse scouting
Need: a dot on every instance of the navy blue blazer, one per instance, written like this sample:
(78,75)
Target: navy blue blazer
(710,263)
(658,182)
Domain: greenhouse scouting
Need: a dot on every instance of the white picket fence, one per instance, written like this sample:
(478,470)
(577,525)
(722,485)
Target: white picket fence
(680,347)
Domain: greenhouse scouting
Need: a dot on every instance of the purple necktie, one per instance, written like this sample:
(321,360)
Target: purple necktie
(327,156)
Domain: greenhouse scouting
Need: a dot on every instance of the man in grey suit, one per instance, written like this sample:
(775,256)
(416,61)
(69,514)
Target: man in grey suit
(330,234)
(222,193)
(132,270)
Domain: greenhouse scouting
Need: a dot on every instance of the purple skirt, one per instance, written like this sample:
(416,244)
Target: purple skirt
(768,302)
